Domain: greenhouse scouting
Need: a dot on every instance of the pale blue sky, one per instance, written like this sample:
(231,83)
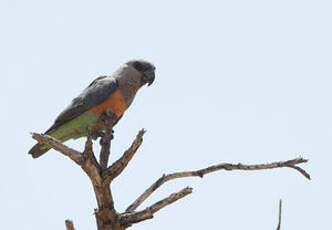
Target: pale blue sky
(237,81)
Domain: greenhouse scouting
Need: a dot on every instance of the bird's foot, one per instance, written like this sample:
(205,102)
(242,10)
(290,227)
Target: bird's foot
(109,116)
(98,133)
(101,134)
(104,137)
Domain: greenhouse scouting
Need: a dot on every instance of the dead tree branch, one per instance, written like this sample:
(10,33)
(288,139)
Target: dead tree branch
(118,166)
(127,219)
(106,216)
(224,166)
(279,219)
(90,166)
(57,145)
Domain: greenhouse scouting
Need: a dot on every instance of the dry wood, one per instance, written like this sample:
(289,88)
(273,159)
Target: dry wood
(127,219)
(224,166)
(105,213)
(57,145)
(106,216)
(118,166)
(69,225)
(279,219)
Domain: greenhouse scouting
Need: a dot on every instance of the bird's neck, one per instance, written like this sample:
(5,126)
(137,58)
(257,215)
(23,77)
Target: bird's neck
(129,90)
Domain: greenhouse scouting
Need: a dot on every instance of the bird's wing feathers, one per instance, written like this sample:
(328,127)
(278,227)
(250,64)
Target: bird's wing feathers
(97,92)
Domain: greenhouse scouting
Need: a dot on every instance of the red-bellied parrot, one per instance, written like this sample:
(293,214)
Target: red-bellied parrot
(115,92)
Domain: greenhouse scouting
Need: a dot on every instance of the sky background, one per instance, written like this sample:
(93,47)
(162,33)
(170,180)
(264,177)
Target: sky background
(236,81)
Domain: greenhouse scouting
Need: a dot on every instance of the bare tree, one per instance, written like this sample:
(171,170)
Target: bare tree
(102,175)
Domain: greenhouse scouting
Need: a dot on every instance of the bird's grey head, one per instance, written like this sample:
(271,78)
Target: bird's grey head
(145,68)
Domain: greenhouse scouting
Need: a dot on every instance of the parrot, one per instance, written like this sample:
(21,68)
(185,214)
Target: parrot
(116,92)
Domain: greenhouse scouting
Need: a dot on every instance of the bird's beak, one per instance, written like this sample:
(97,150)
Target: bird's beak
(149,77)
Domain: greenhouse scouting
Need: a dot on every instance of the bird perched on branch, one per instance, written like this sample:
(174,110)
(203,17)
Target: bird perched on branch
(115,93)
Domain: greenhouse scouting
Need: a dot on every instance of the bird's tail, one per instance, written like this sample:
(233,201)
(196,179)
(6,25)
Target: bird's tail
(38,149)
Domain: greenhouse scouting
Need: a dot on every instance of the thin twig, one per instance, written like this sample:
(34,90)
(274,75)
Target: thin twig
(225,166)
(118,166)
(69,225)
(302,171)
(57,145)
(128,219)
(279,220)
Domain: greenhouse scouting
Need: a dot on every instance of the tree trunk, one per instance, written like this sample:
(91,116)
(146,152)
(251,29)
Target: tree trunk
(106,216)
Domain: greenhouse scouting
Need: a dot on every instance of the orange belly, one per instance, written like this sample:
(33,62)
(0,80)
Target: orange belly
(116,102)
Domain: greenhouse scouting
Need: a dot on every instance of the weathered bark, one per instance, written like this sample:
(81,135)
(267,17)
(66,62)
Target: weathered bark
(106,216)
(127,219)
(225,166)
(101,177)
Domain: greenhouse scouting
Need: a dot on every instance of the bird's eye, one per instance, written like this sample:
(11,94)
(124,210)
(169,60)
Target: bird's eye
(139,66)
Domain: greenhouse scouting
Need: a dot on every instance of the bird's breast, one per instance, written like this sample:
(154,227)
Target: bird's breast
(116,102)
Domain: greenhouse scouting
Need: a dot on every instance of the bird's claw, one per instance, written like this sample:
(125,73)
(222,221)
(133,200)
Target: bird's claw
(101,133)
(109,116)
(102,139)
(98,133)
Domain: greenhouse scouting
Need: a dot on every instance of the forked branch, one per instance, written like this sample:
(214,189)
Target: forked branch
(127,219)
(101,177)
(118,166)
